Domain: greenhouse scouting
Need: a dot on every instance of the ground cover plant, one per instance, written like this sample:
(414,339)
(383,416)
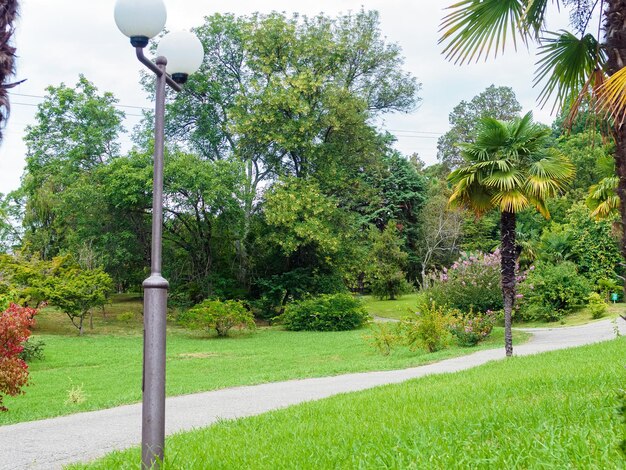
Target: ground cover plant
(525,412)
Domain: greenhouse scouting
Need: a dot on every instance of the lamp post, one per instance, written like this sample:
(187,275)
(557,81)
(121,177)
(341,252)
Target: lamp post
(181,53)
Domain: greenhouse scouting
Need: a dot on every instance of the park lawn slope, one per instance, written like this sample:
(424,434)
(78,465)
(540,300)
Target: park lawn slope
(553,410)
(99,371)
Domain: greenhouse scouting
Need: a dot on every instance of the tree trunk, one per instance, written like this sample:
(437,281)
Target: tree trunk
(508,258)
(80,325)
(8,14)
(615,28)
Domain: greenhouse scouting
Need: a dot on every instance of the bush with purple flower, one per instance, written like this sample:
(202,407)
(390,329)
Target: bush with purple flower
(472,282)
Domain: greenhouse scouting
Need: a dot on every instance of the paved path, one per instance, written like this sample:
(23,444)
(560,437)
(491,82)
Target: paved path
(52,443)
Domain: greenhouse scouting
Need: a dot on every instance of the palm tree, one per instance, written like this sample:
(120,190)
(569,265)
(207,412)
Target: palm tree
(8,14)
(508,167)
(573,66)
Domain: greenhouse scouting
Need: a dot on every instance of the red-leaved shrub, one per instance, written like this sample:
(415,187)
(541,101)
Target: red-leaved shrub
(15,325)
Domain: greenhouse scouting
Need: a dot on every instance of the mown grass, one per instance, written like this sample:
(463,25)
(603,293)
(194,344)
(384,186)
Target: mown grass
(105,364)
(397,309)
(550,411)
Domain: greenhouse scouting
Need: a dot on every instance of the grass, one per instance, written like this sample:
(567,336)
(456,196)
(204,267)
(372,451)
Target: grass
(550,411)
(397,309)
(406,304)
(105,364)
(579,317)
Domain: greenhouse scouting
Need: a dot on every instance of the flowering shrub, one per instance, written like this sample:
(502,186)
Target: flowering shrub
(15,325)
(472,282)
(472,328)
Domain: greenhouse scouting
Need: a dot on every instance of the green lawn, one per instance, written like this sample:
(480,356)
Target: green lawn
(406,304)
(398,309)
(105,364)
(550,411)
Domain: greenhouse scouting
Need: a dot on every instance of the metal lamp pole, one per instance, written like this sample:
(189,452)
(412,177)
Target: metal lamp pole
(155,291)
(141,20)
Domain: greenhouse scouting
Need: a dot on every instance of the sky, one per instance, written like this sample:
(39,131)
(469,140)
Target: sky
(57,40)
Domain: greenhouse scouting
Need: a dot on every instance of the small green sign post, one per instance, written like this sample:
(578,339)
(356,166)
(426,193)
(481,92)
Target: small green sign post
(614,297)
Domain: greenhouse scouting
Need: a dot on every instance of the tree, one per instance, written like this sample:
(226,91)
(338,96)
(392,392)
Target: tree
(15,325)
(508,167)
(441,228)
(290,96)
(572,66)
(388,261)
(75,133)
(76,291)
(495,102)
(8,14)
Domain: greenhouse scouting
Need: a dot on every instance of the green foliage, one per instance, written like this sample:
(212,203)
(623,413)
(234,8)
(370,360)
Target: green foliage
(334,312)
(607,287)
(32,350)
(595,245)
(383,337)
(428,329)
(218,315)
(76,291)
(386,275)
(551,291)
(597,306)
(471,283)
(494,102)
(472,327)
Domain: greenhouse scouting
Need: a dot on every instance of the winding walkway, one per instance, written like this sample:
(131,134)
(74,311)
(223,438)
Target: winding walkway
(52,443)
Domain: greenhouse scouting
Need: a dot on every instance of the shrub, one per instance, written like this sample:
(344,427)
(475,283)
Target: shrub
(473,282)
(219,315)
(429,329)
(384,337)
(552,291)
(597,306)
(126,317)
(331,312)
(15,325)
(32,349)
(472,328)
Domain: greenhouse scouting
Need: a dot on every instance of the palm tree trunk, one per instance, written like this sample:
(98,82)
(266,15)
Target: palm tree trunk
(508,258)
(615,29)
(8,14)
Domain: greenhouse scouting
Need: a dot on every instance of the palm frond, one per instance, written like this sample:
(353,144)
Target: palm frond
(511,201)
(504,180)
(603,199)
(565,64)
(540,205)
(534,19)
(476,27)
(612,97)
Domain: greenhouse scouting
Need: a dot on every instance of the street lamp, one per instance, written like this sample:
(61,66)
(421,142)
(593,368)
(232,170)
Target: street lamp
(182,53)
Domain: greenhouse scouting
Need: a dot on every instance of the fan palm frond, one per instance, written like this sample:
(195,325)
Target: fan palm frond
(476,27)
(603,199)
(566,62)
